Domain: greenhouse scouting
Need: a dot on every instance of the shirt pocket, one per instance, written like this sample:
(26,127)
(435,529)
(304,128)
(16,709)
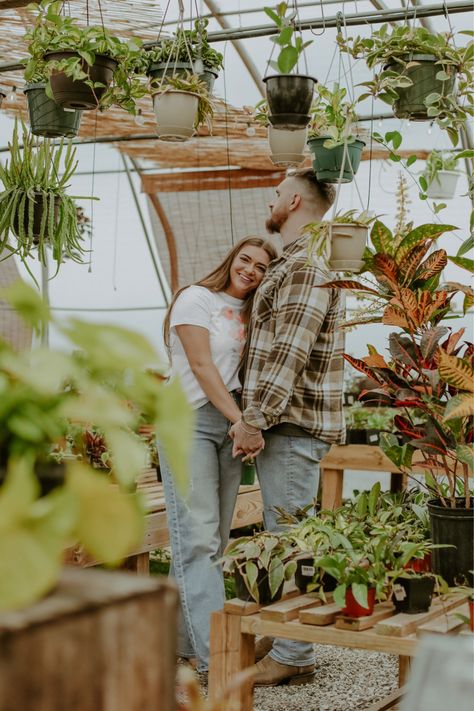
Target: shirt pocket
(264,302)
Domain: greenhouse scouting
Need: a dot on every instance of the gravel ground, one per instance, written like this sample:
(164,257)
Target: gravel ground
(346,680)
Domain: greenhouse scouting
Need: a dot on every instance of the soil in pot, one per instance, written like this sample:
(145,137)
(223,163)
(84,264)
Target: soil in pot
(353,609)
(413,595)
(47,118)
(410,103)
(453,527)
(289,98)
(327,162)
(265,597)
(175,113)
(70,94)
(37,218)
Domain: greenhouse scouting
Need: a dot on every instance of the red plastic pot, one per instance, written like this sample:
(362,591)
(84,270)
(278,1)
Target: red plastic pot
(420,565)
(353,609)
(471,614)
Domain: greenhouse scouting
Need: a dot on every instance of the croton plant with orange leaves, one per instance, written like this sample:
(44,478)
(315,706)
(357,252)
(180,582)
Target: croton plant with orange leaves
(428,372)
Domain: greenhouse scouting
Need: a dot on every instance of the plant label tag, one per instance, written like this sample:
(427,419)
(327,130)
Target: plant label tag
(307,571)
(350,399)
(399,592)
(373,438)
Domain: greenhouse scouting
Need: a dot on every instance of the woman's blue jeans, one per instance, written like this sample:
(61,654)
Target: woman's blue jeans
(199,528)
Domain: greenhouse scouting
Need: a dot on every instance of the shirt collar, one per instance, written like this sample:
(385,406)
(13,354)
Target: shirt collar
(298,244)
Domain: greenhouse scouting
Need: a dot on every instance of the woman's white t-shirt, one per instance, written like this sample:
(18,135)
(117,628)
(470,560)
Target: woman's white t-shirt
(221,315)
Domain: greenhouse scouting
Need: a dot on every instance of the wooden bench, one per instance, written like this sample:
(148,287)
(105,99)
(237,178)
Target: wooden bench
(305,618)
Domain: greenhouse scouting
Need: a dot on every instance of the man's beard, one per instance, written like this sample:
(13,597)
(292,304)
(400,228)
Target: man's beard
(273,225)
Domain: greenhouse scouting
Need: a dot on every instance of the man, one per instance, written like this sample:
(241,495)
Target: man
(293,383)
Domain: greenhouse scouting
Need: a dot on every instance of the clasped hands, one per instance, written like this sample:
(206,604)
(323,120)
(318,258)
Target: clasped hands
(247,439)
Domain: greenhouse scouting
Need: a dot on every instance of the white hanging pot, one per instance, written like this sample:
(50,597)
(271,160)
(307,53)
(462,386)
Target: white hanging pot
(286,147)
(443,187)
(347,247)
(175,113)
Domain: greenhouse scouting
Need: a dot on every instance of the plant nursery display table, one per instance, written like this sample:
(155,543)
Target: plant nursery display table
(305,618)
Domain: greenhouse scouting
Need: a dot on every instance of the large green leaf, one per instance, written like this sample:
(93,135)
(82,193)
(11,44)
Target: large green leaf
(276,575)
(463,262)
(251,575)
(359,590)
(381,238)
(456,372)
(174,429)
(459,406)
(465,454)
(128,455)
(339,595)
(287,59)
(419,234)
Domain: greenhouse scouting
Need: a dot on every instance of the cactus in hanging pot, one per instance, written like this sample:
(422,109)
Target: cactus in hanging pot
(340,244)
(333,136)
(289,94)
(187,52)
(34,206)
(181,104)
(286,147)
(87,67)
(424,76)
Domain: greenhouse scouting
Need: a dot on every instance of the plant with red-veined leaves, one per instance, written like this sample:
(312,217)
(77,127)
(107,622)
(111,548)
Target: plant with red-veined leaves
(429,374)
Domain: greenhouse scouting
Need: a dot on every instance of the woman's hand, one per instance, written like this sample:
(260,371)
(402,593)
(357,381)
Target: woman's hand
(247,440)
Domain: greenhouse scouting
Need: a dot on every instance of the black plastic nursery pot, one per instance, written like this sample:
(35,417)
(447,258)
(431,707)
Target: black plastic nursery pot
(70,94)
(47,118)
(37,218)
(453,527)
(356,436)
(289,98)
(327,162)
(305,572)
(263,588)
(413,595)
(411,101)
(208,76)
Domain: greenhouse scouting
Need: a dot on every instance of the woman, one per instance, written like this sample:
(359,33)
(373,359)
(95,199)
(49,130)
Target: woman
(204,331)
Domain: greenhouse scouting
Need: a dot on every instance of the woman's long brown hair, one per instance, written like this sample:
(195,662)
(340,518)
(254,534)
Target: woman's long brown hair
(219,280)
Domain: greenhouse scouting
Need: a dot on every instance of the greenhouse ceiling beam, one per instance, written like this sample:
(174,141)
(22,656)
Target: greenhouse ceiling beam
(240,49)
(362,18)
(12,4)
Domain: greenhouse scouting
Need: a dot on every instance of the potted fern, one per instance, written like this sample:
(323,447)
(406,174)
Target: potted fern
(440,175)
(340,243)
(181,104)
(289,94)
(333,138)
(87,67)
(34,205)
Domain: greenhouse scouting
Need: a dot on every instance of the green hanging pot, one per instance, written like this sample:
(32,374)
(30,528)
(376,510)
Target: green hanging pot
(327,162)
(411,101)
(47,118)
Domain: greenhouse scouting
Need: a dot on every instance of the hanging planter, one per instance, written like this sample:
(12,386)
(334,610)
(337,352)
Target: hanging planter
(412,100)
(289,98)
(348,242)
(207,76)
(453,527)
(327,162)
(443,186)
(71,94)
(47,118)
(175,113)
(286,147)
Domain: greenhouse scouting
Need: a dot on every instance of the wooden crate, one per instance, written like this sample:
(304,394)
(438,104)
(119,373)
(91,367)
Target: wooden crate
(100,641)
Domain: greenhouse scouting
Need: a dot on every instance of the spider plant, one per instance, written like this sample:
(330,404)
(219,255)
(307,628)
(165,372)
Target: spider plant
(34,206)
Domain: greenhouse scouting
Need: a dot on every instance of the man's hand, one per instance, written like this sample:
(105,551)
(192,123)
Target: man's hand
(246,441)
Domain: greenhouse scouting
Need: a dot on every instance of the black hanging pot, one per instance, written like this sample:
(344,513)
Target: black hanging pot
(289,98)
(454,528)
(411,100)
(413,595)
(70,94)
(47,118)
(264,594)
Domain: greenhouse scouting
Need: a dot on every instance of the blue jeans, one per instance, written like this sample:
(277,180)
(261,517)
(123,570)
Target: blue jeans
(288,472)
(199,528)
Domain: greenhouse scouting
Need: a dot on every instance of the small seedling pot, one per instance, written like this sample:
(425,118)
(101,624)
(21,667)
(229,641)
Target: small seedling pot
(175,113)
(413,595)
(265,597)
(47,118)
(356,436)
(287,147)
(70,94)
(443,187)
(353,609)
(411,100)
(305,572)
(420,565)
(327,162)
(289,98)
(347,246)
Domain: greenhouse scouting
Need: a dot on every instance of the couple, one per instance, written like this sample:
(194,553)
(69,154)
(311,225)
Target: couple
(289,412)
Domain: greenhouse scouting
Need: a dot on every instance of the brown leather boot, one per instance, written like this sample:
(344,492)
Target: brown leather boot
(268,672)
(262,647)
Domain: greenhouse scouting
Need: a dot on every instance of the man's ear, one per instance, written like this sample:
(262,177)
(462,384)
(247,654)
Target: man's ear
(295,201)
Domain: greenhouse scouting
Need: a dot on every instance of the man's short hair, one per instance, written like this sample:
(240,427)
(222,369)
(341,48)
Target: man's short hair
(323,192)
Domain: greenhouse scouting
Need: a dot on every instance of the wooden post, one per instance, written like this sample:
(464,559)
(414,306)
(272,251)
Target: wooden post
(403,669)
(332,481)
(139,563)
(100,641)
(231,652)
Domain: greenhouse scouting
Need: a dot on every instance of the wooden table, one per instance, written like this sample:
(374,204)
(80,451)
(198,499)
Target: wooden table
(305,618)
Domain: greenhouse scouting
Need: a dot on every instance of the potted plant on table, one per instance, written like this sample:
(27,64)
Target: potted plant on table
(341,242)
(181,104)
(440,175)
(334,139)
(260,565)
(35,207)
(424,75)
(365,425)
(188,52)
(87,67)
(289,95)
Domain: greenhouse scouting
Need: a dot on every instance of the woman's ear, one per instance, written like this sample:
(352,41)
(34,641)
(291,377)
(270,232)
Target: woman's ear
(295,201)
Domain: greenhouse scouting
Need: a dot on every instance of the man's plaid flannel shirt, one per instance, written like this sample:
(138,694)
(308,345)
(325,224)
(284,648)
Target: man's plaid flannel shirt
(293,359)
